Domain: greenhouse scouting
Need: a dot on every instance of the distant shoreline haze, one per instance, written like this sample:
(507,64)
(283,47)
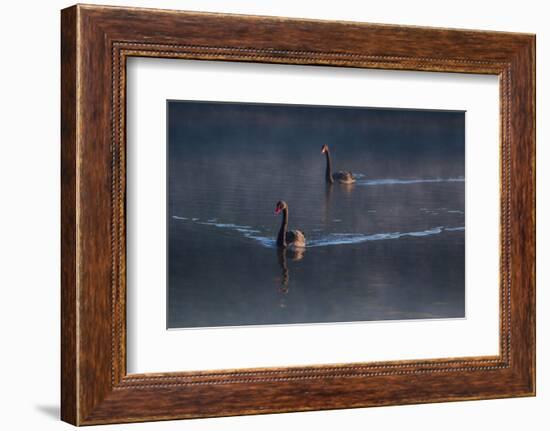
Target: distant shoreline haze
(380,140)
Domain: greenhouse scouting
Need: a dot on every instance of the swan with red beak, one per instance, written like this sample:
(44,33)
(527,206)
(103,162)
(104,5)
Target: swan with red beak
(343,177)
(285,237)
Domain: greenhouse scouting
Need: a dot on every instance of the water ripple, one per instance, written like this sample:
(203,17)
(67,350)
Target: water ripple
(328,239)
(393,181)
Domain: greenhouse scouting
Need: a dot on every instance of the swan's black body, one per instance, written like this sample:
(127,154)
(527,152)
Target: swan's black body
(286,238)
(341,176)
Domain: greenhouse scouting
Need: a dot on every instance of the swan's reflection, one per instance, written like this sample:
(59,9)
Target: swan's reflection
(281,257)
(327,203)
(283,253)
(347,188)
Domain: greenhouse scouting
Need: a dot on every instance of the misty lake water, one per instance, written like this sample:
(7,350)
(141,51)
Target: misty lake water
(390,246)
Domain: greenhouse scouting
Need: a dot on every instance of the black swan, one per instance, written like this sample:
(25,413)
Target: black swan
(342,176)
(286,238)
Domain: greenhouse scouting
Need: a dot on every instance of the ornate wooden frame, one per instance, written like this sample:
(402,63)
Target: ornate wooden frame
(95,43)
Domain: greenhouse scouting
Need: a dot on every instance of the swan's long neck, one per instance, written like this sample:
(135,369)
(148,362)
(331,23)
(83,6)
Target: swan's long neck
(328,173)
(281,237)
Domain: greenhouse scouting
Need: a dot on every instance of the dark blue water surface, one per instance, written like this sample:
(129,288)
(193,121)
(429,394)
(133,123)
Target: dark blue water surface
(390,246)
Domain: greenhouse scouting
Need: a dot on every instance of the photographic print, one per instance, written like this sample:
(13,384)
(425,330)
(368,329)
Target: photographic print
(297,214)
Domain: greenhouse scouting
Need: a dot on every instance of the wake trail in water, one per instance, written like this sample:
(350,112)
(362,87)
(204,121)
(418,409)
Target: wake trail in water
(396,181)
(325,240)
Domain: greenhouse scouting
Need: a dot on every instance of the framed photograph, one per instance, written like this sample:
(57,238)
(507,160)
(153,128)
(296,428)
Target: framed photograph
(264,215)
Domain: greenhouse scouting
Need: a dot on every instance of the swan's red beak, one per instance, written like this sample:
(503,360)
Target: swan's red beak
(277,210)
